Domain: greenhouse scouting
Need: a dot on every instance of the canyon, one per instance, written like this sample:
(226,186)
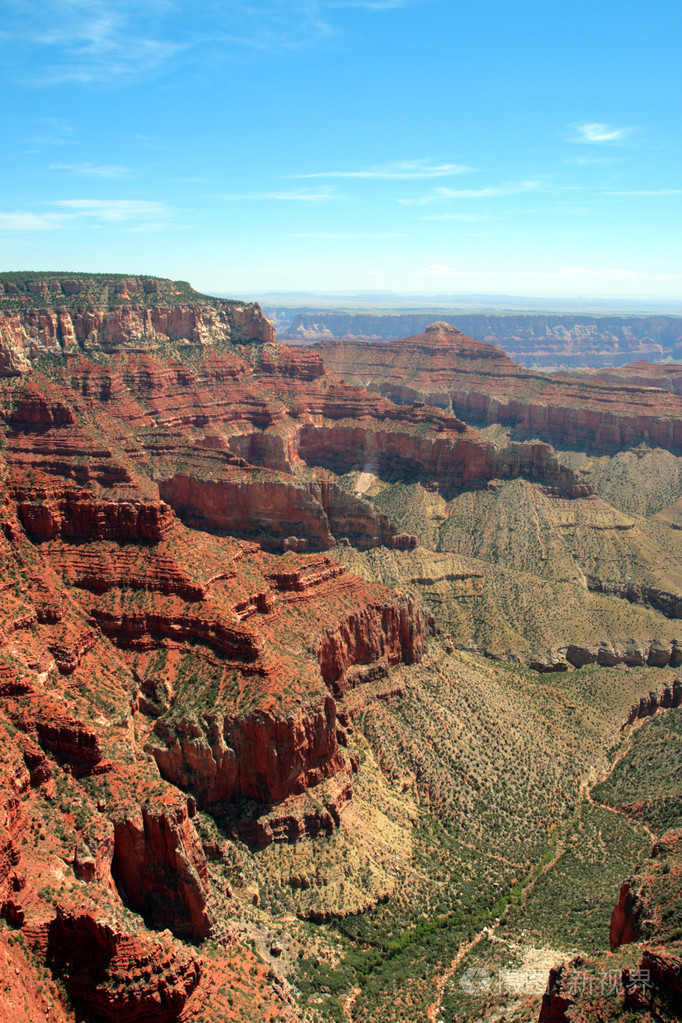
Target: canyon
(542,341)
(480,383)
(307,656)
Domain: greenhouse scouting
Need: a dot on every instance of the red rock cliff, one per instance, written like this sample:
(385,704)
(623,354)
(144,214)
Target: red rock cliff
(478,382)
(160,867)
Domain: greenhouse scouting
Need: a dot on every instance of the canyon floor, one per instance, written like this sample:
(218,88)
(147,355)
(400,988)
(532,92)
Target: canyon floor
(325,696)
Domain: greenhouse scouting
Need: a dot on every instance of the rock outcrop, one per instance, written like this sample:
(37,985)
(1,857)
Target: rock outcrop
(258,757)
(626,918)
(668,697)
(556,1000)
(533,339)
(113,975)
(70,513)
(389,634)
(49,316)
(480,383)
(607,654)
(160,868)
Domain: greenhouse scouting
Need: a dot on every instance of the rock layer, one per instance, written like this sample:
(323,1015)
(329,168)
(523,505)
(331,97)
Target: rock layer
(480,383)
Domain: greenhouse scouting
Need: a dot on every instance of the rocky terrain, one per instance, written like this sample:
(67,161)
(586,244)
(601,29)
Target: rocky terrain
(481,384)
(54,314)
(533,339)
(313,701)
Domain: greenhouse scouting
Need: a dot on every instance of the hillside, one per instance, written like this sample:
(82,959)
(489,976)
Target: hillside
(56,314)
(481,384)
(540,340)
(73,291)
(312,701)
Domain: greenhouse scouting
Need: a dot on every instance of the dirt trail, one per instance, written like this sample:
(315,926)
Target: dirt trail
(587,786)
(585,792)
(350,1002)
(433,1011)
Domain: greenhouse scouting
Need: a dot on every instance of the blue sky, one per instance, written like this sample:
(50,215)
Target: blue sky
(409,145)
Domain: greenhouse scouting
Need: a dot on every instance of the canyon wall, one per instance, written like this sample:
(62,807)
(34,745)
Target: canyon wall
(537,339)
(49,315)
(482,385)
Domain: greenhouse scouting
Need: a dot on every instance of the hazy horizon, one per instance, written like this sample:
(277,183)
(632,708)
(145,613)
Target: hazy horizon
(314,145)
(380,302)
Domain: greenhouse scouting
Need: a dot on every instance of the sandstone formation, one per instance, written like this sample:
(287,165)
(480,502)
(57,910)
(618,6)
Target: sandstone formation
(71,323)
(668,698)
(480,383)
(215,737)
(626,923)
(160,868)
(533,339)
(114,975)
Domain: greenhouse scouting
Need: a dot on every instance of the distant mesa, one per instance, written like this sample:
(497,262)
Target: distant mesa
(537,340)
(479,383)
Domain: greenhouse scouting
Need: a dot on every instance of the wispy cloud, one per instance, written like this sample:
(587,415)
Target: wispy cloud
(130,214)
(116,41)
(445,194)
(467,217)
(645,191)
(51,131)
(330,234)
(320,195)
(19,221)
(399,170)
(590,161)
(116,211)
(595,131)
(92,169)
(88,41)
(372,5)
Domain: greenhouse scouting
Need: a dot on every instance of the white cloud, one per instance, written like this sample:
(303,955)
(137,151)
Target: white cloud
(91,41)
(646,191)
(445,194)
(399,170)
(595,131)
(324,234)
(117,211)
(134,214)
(49,132)
(371,5)
(19,221)
(467,217)
(591,161)
(87,41)
(92,169)
(321,195)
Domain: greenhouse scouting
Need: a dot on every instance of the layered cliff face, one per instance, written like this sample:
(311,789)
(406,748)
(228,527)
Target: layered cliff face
(114,975)
(145,668)
(245,608)
(94,312)
(532,339)
(235,441)
(478,382)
